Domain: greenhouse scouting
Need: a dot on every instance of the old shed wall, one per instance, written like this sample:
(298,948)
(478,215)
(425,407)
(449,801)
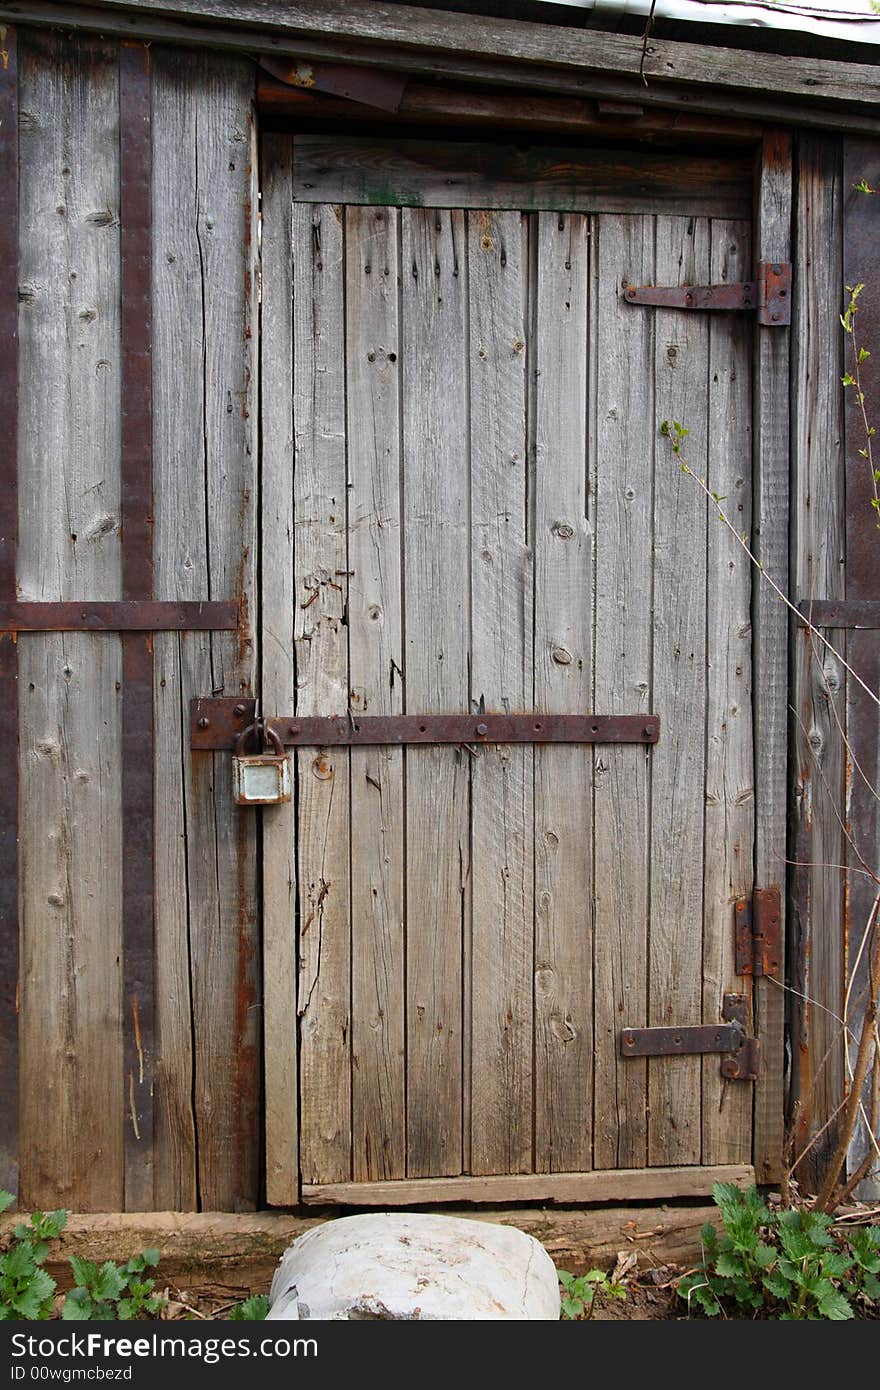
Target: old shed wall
(197,1079)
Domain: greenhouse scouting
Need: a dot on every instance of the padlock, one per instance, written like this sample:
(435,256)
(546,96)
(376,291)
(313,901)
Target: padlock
(261,778)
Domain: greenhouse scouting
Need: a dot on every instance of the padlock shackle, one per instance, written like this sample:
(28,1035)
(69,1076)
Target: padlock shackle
(263,733)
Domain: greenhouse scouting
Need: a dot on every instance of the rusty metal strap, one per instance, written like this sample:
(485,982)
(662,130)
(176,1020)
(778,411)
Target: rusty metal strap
(841,612)
(680,1042)
(769,294)
(125,615)
(217,722)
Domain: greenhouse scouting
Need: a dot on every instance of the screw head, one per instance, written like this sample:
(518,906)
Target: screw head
(482,729)
(204,722)
(240,710)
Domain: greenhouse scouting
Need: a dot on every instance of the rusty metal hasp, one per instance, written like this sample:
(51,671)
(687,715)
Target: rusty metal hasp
(758,933)
(769,294)
(743,1059)
(216,723)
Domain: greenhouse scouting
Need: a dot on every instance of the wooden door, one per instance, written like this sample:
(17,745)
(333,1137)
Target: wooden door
(468,505)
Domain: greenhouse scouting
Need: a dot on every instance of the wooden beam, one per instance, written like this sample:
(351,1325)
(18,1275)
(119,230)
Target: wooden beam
(770,512)
(758,86)
(238,1254)
(608,1185)
(438,32)
(424,104)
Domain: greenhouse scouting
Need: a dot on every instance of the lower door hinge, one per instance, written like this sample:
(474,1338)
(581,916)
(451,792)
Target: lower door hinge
(769,294)
(758,933)
(742,1059)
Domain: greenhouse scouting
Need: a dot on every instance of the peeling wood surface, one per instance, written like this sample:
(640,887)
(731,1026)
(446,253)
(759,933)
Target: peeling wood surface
(69,685)
(349,169)
(770,528)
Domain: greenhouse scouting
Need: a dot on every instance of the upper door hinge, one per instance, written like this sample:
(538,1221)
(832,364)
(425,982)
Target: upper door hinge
(769,293)
(758,933)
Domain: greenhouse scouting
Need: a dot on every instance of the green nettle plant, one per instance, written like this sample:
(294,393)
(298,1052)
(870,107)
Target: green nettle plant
(108,1291)
(580,1291)
(789,1265)
(253,1309)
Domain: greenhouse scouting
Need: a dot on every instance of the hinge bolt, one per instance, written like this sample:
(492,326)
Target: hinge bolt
(204,722)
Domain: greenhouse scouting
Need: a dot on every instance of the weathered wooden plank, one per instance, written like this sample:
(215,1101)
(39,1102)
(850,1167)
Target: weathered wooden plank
(562,682)
(861,265)
(375,626)
(623,527)
(681,353)
(9,913)
(770,650)
(729,828)
(502,776)
(204,458)
(757,104)
(352,169)
(817,573)
(70,732)
(278,674)
(436,547)
(621,1184)
(321,646)
(424,104)
(408,28)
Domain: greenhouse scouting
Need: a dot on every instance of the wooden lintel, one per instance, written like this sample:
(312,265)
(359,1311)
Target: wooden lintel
(471,48)
(609,1185)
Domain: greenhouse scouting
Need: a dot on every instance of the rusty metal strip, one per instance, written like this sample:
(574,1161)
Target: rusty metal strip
(860,613)
(216,723)
(679,1042)
(9,929)
(769,294)
(124,615)
(138,826)
(758,934)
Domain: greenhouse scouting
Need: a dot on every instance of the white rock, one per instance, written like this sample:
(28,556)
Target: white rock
(405,1266)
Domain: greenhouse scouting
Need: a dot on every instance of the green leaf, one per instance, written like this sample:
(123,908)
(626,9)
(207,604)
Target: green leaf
(18,1262)
(864,354)
(109,1283)
(777,1284)
(85,1272)
(764,1255)
(6,1199)
(565,1279)
(729,1266)
(832,1304)
(871,1286)
(848,379)
(255,1308)
(571,1308)
(75,1311)
(835,1264)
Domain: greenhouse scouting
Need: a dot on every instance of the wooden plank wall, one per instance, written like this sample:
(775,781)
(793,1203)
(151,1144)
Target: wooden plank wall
(819,712)
(74,1109)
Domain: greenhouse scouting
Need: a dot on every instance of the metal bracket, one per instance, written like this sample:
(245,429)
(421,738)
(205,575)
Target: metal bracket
(758,933)
(769,294)
(217,722)
(729,1036)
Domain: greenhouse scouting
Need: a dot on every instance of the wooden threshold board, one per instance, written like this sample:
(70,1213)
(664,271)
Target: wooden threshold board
(607,1185)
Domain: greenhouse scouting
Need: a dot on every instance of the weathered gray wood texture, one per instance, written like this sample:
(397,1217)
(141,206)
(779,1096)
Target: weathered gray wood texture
(485,516)
(818,751)
(207,947)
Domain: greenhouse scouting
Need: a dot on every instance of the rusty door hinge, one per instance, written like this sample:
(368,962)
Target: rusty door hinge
(742,1061)
(758,933)
(769,293)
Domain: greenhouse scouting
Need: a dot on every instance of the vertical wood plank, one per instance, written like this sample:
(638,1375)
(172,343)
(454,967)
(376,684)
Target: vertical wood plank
(730,799)
(563,775)
(771,519)
(203,394)
(70,738)
(136,468)
(623,525)
(280,1058)
(321,645)
(502,777)
(681,355)
(9,924)
(861,265)
(436,565)
(817,572)
(375,621)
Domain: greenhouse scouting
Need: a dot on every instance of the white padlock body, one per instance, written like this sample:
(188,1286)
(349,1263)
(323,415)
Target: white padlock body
(262,779)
